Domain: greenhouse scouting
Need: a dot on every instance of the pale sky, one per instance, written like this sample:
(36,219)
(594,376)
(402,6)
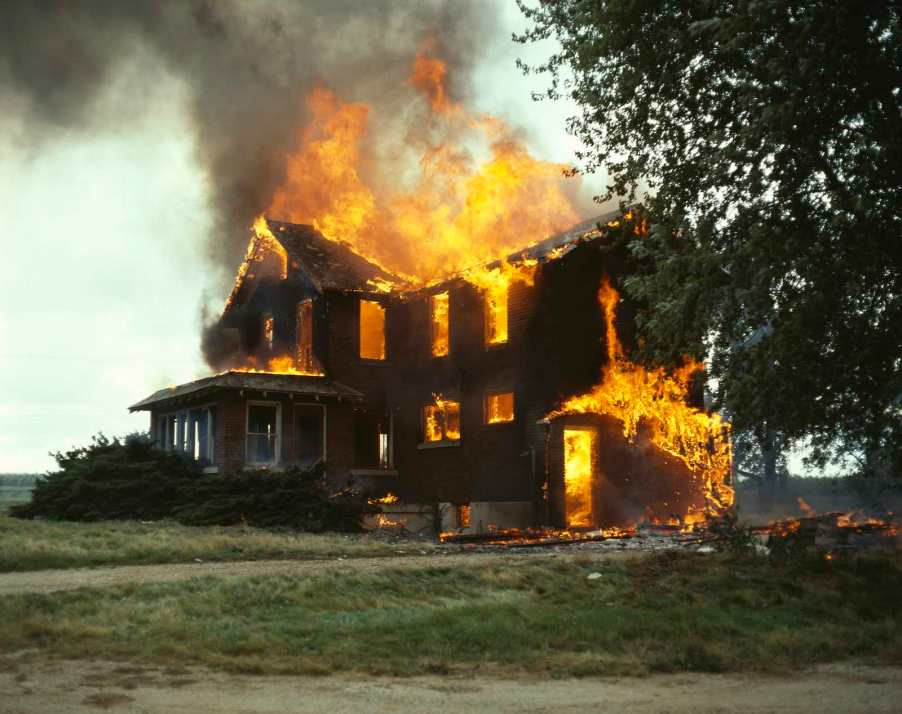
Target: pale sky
(103,237)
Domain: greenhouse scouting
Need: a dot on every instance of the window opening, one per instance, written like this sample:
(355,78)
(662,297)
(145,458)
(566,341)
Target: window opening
(499,407)
(439,313)
(372,330)
(441,420)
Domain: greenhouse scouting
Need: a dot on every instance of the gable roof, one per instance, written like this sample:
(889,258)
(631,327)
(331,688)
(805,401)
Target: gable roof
(329,264)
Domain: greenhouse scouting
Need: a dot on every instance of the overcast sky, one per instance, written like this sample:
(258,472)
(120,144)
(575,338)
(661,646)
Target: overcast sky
(103,269)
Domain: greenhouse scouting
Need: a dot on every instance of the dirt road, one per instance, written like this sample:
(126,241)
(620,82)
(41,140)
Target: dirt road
(70,687)
(47,581)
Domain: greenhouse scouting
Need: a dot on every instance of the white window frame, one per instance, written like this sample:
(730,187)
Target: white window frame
(181,439)
(278,446)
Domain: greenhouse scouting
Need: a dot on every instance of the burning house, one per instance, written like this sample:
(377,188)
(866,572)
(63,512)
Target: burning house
(502,393)
(397,330)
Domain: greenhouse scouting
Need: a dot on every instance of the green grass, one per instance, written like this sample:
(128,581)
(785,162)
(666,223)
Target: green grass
(38,544)
(663,613)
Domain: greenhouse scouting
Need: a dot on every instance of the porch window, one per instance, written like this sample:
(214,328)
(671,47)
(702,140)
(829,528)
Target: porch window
(499,407)
(372,330)
(496,316)
(441,421)
(263,433)
(191,432)
(201,435)
(439,311)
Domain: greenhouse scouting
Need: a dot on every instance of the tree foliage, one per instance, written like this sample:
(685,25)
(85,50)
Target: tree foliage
(764,137)
(131,479)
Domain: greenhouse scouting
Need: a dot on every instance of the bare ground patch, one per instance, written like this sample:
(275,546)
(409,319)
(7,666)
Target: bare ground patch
(73,686)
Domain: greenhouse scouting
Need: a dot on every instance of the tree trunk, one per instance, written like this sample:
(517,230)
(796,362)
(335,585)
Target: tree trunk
(767,489)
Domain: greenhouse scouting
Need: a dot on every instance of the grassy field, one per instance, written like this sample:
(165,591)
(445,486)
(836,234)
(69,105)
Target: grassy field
(545,616)
(36,545)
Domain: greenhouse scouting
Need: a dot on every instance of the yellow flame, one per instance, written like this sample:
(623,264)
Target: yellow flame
(499,408)
(634,394)
(494,284)
(579,451)
(439,313)
(387,499)
(280,364)
(442,420)
(262,245)
(454,212)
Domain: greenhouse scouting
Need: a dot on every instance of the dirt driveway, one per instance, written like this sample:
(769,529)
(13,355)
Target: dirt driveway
(69,687)
(48,581)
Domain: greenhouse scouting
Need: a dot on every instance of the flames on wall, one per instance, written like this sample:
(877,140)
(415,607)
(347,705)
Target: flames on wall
(657,400)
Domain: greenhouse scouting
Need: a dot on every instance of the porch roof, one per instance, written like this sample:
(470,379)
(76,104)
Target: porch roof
(317,387)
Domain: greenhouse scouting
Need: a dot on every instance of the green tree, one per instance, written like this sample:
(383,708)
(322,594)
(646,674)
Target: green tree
(764,139)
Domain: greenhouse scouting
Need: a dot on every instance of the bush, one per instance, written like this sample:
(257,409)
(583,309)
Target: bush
(130,479)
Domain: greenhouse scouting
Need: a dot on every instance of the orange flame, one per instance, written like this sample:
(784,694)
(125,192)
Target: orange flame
(262,246)
(429,76)
(281,364)
(633,394)
(387,499)
(455,213)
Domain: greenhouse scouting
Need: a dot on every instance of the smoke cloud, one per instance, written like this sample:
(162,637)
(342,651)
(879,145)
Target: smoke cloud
(246,68)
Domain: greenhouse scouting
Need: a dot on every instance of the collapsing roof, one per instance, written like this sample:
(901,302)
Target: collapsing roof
(315,387)
(330,264)
(334,265)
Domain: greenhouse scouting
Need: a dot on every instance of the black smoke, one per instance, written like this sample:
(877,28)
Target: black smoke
(246,67)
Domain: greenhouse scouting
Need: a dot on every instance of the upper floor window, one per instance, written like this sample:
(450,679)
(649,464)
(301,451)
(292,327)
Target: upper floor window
(496,316)
(499,407)
(372,330)
(306,360)
(441,421)
(268,331)
(439,311)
